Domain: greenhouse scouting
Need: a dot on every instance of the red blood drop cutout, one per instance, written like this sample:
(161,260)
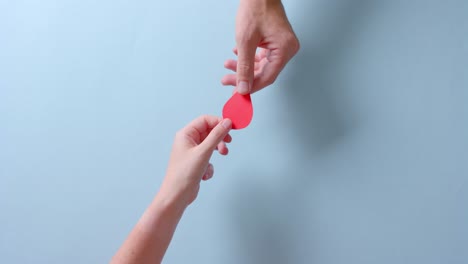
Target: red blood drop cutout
(239,109)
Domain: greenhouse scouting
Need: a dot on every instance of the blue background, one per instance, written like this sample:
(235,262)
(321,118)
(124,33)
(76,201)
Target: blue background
(357,154)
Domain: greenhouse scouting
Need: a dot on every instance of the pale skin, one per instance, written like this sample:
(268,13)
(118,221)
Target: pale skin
(260,24)
(189,164)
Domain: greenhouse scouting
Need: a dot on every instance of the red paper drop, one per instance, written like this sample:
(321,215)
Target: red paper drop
(239,109)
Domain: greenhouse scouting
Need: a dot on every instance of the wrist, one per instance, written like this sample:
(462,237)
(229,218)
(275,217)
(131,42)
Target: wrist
(169,201)
(266,3)
(262,1)
(260,8)
(169,204)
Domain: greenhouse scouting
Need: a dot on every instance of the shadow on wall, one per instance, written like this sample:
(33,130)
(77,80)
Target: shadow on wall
(316,97)
(267,222)
(264,225)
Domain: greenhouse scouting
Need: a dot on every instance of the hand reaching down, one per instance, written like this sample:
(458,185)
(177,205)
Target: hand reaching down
(260,24)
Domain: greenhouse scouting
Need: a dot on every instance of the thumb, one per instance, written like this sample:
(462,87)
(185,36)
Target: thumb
(245,66)
(217,134)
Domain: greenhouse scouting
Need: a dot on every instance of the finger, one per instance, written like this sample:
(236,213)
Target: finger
(230,65)
(228,138)
(222,148)
(229,79)
(267,77)
(217,134)
(258,58)
(257,67)
(209,172)
(263,53)
(270,68)
(245,64)
(200,127)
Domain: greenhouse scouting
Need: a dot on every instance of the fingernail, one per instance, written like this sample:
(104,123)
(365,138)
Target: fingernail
(243,87)
(227,123)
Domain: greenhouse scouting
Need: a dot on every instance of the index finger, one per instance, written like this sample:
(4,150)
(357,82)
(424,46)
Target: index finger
(200,127)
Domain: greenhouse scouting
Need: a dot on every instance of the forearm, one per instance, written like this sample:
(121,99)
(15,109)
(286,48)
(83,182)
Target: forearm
(151,236)
(260,5)
(262,1)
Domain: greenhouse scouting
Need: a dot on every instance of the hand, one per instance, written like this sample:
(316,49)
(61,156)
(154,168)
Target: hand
(263,24)
(191,153)
(188,165)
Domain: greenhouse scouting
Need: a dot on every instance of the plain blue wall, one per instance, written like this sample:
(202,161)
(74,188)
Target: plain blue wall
(357,154)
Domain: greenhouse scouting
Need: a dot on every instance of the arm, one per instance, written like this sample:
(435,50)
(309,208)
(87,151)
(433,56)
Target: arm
(150,238)
(260,24)
(188,165)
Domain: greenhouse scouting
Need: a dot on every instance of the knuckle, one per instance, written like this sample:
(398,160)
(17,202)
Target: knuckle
(296,46)
(290,44)
(245,36)
(243,68)
(205,117)
(293,43)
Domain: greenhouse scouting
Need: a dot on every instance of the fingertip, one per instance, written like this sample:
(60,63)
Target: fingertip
(225,80)
(229,79)
(231,65)
(228,138)
(227,123)
(242,92)
(220,147)
(225,152)
(243,87)
(209,172)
